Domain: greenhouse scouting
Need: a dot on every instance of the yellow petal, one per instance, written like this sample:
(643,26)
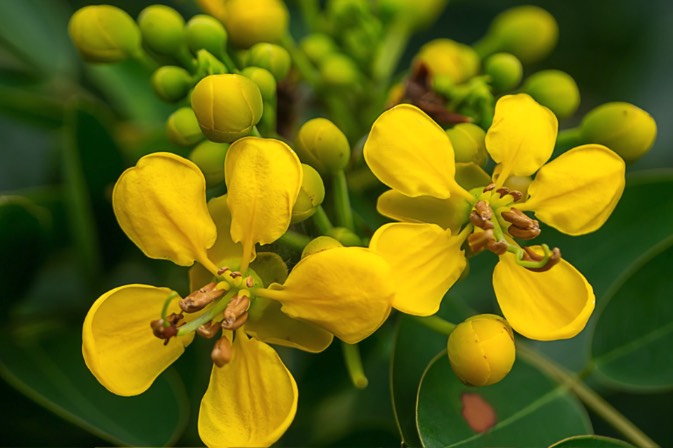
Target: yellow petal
(161,205)
(263,180)
(224,247)
(427,261)
(251,401)
(345,290)
(448,213)
(577,191)
(275,327)
(410,153)
(118,344)
(550,305)
(522,136)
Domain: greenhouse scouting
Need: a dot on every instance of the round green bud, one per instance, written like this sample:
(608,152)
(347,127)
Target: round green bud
(481,350)
(505,71)
(183,128)
(344,236)
(316,46)
(445,57)
(227,106)
(554,89)
(468,142)
(251,21)
(320,244)
(209,157)
(104,33)
(204,32)
(528,32)
(171,83)
(311,195)
(163,29)
(323,146)
(264,80)
(272,57)
(624,128)
(339,70)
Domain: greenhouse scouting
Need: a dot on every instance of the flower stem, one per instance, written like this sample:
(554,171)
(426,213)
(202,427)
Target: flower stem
(435,323)
(322,221)
(301,61)
(354,365)
(390,51)
(568,138)
(294,239)
(342,203)
(310,11)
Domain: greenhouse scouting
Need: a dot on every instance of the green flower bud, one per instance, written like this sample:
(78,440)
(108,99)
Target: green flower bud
(344,236)
(209,157)
(554,89)
(264,80)
(204,32)
(272,57)
(445,57)
(323,146)
(251,21)
(183,128)
(171,83)
(163,29)
(207,64)
(417,14)
(468,142)
(481,350)
(104,33)
(227,106)
(626,129)
(319,244)
(339,70)
(505,71)
(311,195)
(316,46)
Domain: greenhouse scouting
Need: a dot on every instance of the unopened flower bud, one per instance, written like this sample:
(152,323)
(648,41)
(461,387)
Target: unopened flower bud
(162,28)
(554,89)
(221,354)
(204,32)
(505,71)
(171,83)
(251,21)
(272,57)
(104,33)
(320,244)
(344,236)
(468,141)
(339,70)
(183,128)
(209,157)
(317,46)
(227,106)
(264,80)
(445,57)
(481,350)
(323,146)
(624,128)
(311,195)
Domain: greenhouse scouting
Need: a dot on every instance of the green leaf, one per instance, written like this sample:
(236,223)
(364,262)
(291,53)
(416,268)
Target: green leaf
(44,361)
(525,409)
(591,442)
(634,333)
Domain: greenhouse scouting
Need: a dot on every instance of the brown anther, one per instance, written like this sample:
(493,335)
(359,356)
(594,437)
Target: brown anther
(482,215)
(553,259)
(223,269)
(236,312)
(208,330)
(488,187)
(221,354)
(164,332)
(478,241)
(516,194)
(232,324)
(199,299)
(523,227)
(235,274)
(249,281)
(502,191)
(497,247)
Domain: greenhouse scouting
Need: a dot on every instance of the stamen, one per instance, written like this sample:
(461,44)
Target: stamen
(222,270)
(166,328)
(236,312)
(489,187)
(522,226)
(199,299)
(479,240)
(482,215)
(208,330)
(249,281)
(221,354)
(535,262)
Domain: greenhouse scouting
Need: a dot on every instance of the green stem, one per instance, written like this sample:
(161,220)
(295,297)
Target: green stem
(362,179)
(229,63)
(590,398)
(310,10)
(354,365)
(569,138)
(435,323)
(209,315)
(342,115)
(390,51)
(486,46)
(322,221)
(164,309)
(301,61)
(294,239)
(255,132)
(342,203)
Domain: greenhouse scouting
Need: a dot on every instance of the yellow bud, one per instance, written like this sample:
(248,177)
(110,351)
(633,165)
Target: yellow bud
(209,157)
(251,21)
(481,350)
(626,129)
(339,70)
(272,57)
(445,57)
(554,89)
(171,83)
(323,146)
(227,106)
(162,28)
(505,71)
(468,142)
(204,32)
(183,128)
(344,236)
(417,14)
(311,195)
(317,45)
(264,80)
(104,33)
(320,244)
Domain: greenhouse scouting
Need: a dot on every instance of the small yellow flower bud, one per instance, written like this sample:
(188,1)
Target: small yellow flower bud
(264,80)
(316,46)
(323,146)
(505,71)
(251,21)
(272,57)
(171,83)
(339,70)
(554,89)
(209,157)
(227,106)
(445,57)
(469,144)
(162,28)
(481,350)
(104,33)
(320,244)
(344,236)
(626,129)
(311,195)
(204,32)
(183,128)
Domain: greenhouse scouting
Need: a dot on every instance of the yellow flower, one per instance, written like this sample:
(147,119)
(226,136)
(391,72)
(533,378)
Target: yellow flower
(160,204)
(541,295)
